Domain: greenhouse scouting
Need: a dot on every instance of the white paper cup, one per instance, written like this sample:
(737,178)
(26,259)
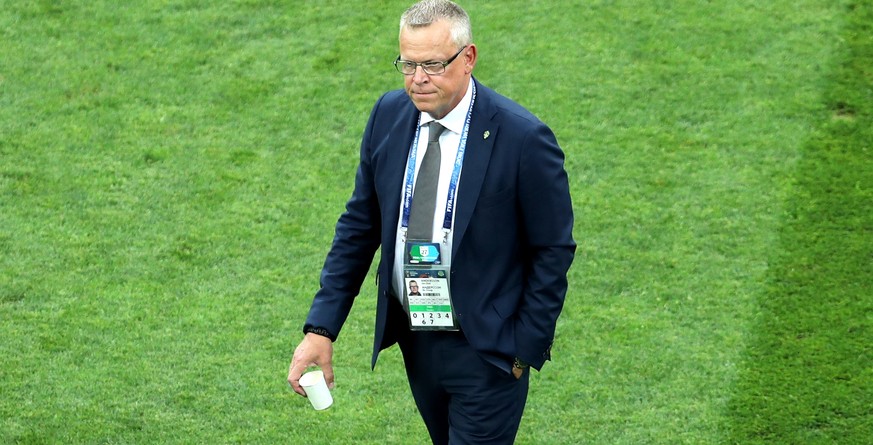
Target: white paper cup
(315,387)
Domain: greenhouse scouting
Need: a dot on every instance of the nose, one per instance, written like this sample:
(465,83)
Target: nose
(420,76)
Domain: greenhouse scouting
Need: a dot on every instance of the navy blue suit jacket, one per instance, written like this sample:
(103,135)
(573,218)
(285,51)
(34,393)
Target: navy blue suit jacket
(512,244)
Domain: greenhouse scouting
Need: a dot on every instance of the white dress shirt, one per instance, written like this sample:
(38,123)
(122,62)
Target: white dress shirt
(450,141)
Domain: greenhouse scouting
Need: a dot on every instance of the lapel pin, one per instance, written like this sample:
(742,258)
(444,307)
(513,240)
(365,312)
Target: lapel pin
(487,133)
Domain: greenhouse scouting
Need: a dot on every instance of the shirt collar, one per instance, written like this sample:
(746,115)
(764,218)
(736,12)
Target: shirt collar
(454,121)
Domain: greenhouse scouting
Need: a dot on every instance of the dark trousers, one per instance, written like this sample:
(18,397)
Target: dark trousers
(462,398)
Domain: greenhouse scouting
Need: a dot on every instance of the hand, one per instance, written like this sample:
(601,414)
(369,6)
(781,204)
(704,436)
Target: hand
(314,350)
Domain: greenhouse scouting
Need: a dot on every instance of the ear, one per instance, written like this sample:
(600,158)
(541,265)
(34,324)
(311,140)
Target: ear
(471,54)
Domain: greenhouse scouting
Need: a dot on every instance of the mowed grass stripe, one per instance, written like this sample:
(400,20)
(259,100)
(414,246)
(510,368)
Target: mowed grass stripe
(808,376)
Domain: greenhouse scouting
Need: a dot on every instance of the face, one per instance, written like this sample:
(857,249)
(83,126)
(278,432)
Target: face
(436,94)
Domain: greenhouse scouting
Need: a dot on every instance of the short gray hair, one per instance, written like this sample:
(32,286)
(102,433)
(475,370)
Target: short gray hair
(426,12)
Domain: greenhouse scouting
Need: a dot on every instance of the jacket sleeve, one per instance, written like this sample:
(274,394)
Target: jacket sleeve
(547,220)
(355,242)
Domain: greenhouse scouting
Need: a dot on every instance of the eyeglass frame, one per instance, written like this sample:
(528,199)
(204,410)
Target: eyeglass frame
(415,65)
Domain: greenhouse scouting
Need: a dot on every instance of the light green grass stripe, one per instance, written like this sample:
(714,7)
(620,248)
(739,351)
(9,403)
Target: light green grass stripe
(808,376)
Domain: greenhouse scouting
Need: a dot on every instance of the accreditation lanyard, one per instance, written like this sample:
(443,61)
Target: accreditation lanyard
(453,184)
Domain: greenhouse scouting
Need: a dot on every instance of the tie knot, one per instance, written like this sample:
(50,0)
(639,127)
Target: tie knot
(436,129)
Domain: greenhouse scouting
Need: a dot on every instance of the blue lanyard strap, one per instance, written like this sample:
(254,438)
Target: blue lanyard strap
(453,184)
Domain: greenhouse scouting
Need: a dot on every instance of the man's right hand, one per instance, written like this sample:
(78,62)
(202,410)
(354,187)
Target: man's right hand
(314,350)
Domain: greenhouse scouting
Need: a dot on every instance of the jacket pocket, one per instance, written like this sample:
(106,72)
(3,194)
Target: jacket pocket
(505,307)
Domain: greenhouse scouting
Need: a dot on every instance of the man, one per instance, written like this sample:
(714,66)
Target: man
(495,247)
(413,289)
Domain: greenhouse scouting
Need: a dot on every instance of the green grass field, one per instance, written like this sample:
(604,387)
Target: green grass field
(171,171)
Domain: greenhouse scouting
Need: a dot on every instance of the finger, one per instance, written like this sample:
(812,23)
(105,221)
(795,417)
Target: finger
(294,379)
(327,369)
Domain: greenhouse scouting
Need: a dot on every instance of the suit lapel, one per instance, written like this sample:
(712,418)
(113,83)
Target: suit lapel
(390,178)
(476,159)
(480,142)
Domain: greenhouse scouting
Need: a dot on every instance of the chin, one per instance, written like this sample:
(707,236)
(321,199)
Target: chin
(423,107)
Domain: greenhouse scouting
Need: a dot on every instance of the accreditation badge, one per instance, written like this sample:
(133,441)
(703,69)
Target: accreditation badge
(428,299)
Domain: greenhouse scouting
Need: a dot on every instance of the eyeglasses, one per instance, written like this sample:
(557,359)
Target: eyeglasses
(408,67)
